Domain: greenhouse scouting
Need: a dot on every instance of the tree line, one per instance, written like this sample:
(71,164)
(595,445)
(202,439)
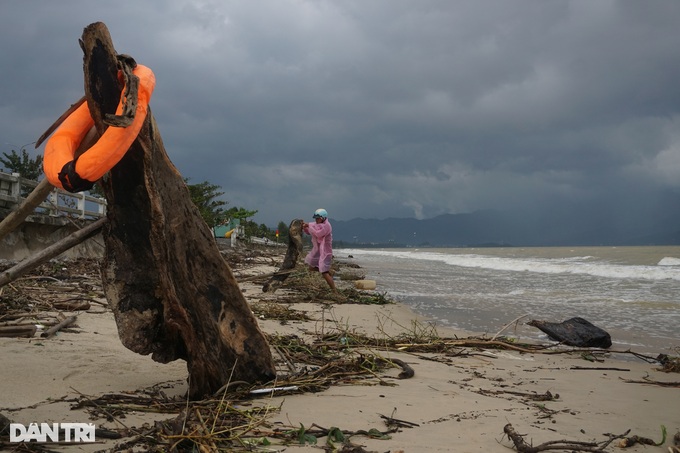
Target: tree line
(205,195)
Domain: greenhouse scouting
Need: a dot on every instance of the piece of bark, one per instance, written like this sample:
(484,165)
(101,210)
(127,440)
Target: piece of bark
(575,332)
(26,331)
(290,260)
(172,293)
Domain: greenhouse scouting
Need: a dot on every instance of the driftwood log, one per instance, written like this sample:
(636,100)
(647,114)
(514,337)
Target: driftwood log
(290,260)
(172,293)
(56,328)
(22,331)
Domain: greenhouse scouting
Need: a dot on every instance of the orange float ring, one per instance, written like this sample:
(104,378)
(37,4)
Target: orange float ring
(61,167)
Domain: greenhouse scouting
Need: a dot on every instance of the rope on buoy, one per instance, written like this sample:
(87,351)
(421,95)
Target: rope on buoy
(75,174)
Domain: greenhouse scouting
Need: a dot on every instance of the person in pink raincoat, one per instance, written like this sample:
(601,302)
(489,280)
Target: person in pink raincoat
(321,256)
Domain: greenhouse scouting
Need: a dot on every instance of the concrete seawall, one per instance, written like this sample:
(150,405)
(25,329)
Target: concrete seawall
(34,236)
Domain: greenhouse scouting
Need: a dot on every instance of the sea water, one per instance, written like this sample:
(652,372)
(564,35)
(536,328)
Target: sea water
(631,292)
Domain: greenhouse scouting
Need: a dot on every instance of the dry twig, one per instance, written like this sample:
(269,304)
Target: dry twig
(569,445)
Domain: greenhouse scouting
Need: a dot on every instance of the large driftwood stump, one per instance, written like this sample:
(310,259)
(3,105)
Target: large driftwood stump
(290,260)
(172,293)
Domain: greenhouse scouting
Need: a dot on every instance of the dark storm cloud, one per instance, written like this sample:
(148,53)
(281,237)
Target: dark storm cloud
(382,108)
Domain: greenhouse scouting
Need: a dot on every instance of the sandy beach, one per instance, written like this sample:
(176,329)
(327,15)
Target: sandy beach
(464,397)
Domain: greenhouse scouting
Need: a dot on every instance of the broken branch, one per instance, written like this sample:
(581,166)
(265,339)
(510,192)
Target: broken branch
(65,323)
(523,447)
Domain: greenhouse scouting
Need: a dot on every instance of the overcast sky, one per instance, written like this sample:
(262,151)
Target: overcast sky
(379,108)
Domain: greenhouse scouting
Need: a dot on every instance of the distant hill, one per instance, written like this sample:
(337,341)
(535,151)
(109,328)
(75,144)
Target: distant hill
(565,226)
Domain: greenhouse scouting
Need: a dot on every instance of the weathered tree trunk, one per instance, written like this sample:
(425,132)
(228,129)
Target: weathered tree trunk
(290,260)
(172,293)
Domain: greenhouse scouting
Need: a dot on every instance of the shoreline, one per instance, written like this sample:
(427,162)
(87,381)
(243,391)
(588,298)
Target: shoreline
(480,290)
(459,399)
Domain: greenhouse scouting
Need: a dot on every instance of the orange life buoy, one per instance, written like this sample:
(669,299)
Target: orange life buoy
(75,175)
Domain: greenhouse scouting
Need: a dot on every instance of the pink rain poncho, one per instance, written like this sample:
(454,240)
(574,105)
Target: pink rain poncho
(321,255)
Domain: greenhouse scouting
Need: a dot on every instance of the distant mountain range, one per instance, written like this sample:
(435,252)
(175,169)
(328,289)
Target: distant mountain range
(570,226)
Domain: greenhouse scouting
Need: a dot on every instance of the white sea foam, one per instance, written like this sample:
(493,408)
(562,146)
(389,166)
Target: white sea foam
(669,261)
(584,265)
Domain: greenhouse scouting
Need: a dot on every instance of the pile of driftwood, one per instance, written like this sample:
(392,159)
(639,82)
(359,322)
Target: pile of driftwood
(50,298)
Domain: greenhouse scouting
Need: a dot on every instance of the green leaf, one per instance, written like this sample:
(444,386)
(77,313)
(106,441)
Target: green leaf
(303,437)
(376,434)
(336,434)
(309,439)
(261,441)
(663,433)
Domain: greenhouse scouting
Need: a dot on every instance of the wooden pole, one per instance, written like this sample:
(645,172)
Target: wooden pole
(16,217)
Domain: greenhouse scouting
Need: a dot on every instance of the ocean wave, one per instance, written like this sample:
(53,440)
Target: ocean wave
(585,265)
